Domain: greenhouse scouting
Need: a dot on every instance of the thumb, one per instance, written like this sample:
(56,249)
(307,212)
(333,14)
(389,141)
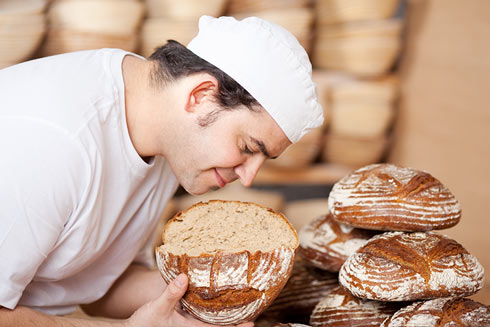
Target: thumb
(173,293)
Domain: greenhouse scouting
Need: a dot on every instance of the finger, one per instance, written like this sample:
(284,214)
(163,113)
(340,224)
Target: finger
(172,294)
(247,324)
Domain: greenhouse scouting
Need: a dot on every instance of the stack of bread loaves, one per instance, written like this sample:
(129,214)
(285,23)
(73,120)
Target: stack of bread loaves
(408,262)
(237,256)
(393,268)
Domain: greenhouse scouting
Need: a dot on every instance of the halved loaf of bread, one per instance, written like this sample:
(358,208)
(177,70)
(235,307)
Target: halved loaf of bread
(237,255)
(397,266)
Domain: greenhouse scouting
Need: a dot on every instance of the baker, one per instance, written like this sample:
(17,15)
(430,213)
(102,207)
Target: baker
(94,143)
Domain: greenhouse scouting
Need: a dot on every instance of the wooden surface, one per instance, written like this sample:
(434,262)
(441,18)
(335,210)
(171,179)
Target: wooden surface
(444,120)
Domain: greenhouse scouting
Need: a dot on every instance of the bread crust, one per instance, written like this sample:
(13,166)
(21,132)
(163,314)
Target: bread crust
(340,308)
(391,198)
(397,266)
(454,312)
(326,243)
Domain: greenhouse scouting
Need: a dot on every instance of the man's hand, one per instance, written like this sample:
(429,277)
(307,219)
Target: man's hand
(164,312)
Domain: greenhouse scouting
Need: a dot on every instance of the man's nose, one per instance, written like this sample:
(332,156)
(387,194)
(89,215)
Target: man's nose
(248,170)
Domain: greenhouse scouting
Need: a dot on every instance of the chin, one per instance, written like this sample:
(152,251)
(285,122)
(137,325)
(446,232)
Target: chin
(199,190)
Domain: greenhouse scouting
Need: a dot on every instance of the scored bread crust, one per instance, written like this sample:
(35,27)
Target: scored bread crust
(457,312)
(229,288)
(397,266)
(326,244)
(391,198)
(341,308)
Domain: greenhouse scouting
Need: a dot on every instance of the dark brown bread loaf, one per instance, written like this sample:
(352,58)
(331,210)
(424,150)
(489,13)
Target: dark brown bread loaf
(304,289)
(326,244)
(238,256)
(391,198)
(397,266)
(442,312)
(340,308)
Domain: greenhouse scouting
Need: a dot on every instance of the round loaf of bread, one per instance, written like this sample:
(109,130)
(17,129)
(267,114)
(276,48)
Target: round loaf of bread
(304,289)
(339,308)
(398,266)
(326,244)
(237,256)
(391,198)
(448,312)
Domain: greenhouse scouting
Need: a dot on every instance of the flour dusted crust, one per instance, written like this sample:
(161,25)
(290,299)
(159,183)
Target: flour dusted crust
(326,244)
(304,289)
(341,309)
(391,198)
(441,312)
(397,266)
(227,287)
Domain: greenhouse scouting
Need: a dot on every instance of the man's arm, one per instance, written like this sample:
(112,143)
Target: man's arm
(158,313)
(24,317)
(137,286)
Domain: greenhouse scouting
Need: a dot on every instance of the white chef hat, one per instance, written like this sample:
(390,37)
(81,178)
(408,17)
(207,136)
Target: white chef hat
(269,63)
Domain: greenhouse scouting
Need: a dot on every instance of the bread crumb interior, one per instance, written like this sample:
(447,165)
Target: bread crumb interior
(227,227)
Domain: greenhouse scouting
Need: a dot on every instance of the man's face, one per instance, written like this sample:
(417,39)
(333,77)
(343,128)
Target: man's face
(232,147)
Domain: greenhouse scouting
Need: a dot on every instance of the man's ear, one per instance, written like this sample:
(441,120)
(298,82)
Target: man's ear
(202,90)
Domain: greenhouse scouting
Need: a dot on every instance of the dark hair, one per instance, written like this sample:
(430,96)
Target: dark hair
(176,61)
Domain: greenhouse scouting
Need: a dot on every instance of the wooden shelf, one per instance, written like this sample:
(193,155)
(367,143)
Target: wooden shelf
(324,173)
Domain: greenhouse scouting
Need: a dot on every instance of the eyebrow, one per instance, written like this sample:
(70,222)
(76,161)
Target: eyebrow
(262,148)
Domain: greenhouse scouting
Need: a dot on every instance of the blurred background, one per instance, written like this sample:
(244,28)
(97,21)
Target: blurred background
(400,81)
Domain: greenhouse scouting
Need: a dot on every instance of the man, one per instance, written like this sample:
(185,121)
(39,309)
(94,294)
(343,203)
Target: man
(95,143)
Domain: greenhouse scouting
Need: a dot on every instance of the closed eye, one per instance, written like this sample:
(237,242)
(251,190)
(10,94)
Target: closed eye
(247,150)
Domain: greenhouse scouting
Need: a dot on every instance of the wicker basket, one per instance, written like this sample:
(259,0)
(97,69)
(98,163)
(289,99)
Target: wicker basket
(22,27)
(184,8)
(298,21)
(367,49)
(360,119)
(300,154)
(337,11)
(114,17)
(156,31)
(354,151)
(61,41)
(248,6)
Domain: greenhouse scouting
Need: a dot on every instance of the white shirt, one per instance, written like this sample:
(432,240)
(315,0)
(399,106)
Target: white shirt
(77,203)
